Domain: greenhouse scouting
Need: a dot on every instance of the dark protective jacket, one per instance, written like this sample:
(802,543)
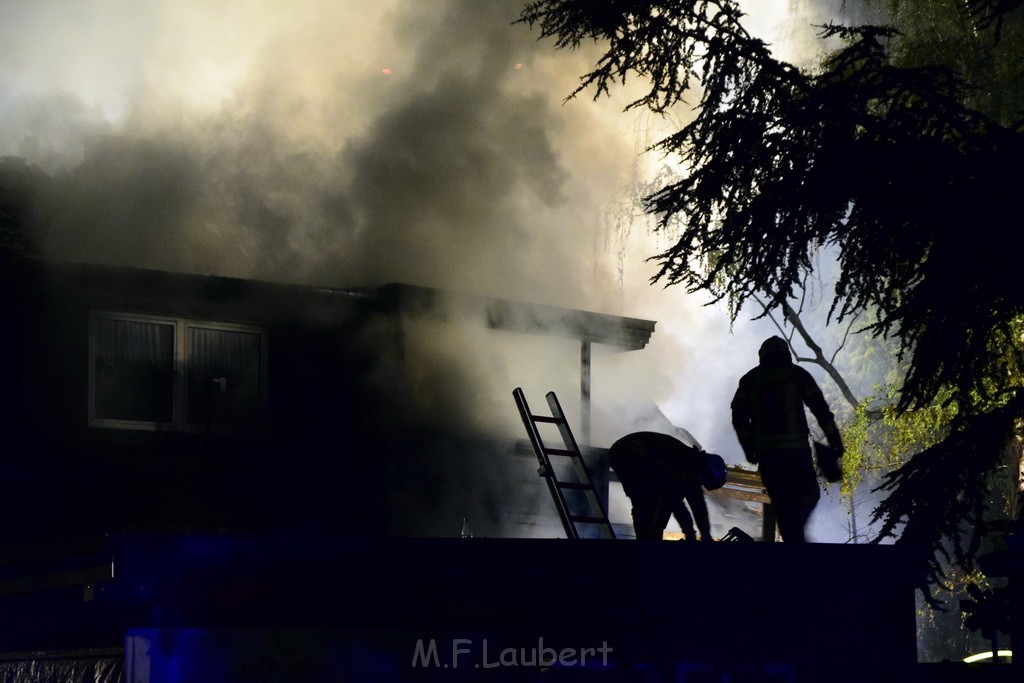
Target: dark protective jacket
(768,408)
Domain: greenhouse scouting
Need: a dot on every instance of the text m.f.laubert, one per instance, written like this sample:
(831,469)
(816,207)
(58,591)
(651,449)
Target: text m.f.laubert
(426,654)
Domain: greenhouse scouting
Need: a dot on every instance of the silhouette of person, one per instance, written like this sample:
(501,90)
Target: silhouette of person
(661,476)
(771,425)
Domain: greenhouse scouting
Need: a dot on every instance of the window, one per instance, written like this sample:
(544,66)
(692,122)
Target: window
(150,372)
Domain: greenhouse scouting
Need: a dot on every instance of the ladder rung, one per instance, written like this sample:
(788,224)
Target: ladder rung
(545,418)
(589,520)
(580,486)
(560,451)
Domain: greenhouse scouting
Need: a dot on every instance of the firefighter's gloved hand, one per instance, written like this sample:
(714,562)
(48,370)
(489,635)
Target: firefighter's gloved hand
(834,439)
(747,444)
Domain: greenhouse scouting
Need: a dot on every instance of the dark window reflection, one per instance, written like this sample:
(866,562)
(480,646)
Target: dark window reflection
(134,371)
(223,378)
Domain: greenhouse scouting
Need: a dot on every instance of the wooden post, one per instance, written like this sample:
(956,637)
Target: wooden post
(768,523)
(585,392)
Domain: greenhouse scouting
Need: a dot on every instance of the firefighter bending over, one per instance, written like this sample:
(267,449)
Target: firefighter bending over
(661,475)
(771,425)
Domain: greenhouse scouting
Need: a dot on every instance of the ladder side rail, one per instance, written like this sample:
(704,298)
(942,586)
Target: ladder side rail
(546,469)
(601,516)
(582,470)
(531,428)
(563,423)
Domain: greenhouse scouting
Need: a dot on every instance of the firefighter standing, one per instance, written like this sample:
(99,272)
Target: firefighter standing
(771,425)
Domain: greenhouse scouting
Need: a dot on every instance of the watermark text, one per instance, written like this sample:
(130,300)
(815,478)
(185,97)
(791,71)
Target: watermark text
(465,652)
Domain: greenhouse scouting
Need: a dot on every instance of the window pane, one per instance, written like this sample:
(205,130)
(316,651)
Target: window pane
(134,370)
(224,382)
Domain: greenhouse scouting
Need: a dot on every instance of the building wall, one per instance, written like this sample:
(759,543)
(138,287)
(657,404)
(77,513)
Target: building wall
(330,370)
(364,429)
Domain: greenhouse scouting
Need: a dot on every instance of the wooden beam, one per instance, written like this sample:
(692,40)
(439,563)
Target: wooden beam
(740,494)
(585,392)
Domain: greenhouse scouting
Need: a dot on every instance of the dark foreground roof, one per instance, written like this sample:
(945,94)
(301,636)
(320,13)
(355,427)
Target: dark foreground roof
(358,609)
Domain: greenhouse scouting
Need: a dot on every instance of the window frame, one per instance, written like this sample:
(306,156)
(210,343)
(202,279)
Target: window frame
(181,354)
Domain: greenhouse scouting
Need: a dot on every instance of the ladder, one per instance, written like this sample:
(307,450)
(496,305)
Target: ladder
(581,482)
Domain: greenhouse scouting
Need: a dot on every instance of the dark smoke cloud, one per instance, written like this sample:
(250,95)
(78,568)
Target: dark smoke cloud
(446,181)
(441,179)
(283,151)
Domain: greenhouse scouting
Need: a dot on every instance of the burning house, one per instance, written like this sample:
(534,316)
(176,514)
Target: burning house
(151,400)
(237,474)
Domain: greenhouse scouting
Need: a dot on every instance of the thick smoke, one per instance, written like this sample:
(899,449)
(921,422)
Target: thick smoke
(422,144)
(359,143)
